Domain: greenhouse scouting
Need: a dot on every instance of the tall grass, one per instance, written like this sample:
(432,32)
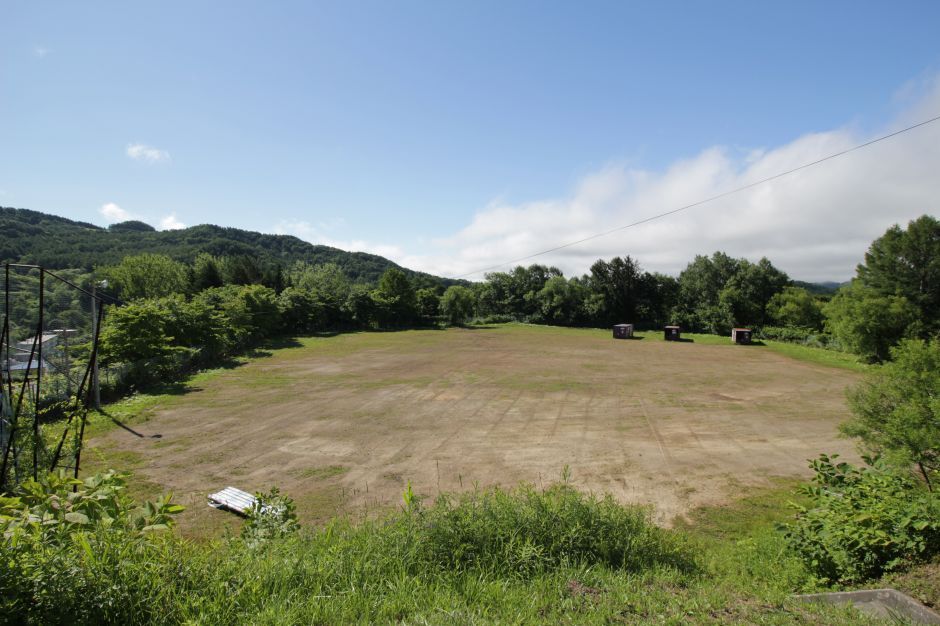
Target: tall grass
(490,556)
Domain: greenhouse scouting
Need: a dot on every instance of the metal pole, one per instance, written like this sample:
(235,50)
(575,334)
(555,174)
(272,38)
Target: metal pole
(42,307)
(94,360)
(94,332)
(6,392)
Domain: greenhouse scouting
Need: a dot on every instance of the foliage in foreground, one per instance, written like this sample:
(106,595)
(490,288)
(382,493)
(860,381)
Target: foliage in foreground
(489,556)
(863,521)
(897,409)
(107,568)
(69,544)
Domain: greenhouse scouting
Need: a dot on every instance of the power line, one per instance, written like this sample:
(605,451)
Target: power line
(706,200)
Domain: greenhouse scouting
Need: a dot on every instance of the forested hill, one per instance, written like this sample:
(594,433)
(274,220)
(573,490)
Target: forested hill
(57,243)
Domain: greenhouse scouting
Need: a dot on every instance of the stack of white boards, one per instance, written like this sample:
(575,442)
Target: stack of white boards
(232,499)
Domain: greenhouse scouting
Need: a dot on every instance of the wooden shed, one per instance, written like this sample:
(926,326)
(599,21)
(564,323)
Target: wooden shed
(672,333)
(741,335)
(623,331)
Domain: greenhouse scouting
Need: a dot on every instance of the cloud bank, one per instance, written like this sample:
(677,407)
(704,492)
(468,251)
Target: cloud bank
(114,213)
(815,224)
(170,222)
(318,234)
(147,154)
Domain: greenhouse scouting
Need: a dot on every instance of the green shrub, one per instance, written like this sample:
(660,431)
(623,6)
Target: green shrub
(270,517)
(526,531)
(82,552)
(113,568)
(803,336)
(863,521)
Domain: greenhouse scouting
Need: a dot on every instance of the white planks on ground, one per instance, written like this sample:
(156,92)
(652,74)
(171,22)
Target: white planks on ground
(232,499)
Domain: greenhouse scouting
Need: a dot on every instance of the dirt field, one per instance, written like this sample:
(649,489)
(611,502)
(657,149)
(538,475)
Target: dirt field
(342,423)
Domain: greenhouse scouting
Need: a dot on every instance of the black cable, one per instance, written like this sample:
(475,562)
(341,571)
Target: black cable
(706,200)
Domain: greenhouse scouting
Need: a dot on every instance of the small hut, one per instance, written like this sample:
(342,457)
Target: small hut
(741,335)
(672,333)
(623,331)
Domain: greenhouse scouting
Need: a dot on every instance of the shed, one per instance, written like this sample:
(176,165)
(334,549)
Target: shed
(672,333)
(741,335)
(623,331)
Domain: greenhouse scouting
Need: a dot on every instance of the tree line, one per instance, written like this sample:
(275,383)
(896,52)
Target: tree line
(216,306)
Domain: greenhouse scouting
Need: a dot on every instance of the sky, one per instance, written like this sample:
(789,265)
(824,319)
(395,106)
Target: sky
(455,136)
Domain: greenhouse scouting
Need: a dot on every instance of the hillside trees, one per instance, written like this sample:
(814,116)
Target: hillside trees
(60,243)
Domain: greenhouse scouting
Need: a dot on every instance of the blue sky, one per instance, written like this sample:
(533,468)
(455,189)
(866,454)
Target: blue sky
(452,136)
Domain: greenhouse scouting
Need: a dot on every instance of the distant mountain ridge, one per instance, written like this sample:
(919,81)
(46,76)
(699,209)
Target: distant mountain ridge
(826,288)
(58,243)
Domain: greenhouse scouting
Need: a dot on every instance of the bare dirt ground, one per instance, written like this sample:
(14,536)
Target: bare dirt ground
(342,423)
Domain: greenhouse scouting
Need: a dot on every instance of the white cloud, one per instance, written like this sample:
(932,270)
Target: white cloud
(815,224)
(113,213)
(315,235)
(149,154)
(170,222)
(41,51)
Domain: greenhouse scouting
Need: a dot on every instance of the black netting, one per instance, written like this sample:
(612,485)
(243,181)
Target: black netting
(46,356)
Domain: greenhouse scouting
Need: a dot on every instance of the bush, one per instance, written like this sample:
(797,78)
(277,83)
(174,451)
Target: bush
(863,521)
(802,336)
(270,517)
(81,552)
(523,532)
(897,408)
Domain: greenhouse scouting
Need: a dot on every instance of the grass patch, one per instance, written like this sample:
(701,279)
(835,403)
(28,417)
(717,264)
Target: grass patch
(830,358)
(321,473)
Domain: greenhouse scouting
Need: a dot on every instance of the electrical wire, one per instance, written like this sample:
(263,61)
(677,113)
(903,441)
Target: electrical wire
(705,201)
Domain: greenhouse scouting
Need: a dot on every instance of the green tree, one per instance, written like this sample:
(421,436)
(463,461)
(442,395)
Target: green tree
(242,269)
(748,292)
(619,284)
(700,306)
(867,323)
(206,272)
(300,310)
(906,263)
(329,287)
(137,335)
(457,304)
(428,303)
(795,307)
(360,307)
(561,301)
(147,276)
(395,299)
(897,409)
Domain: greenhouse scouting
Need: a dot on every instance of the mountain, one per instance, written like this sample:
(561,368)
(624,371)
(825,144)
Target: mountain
(58,243)
(828,288)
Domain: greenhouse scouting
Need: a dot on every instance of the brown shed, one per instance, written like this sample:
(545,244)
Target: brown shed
(741,335)
(623,331)
(672,333)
